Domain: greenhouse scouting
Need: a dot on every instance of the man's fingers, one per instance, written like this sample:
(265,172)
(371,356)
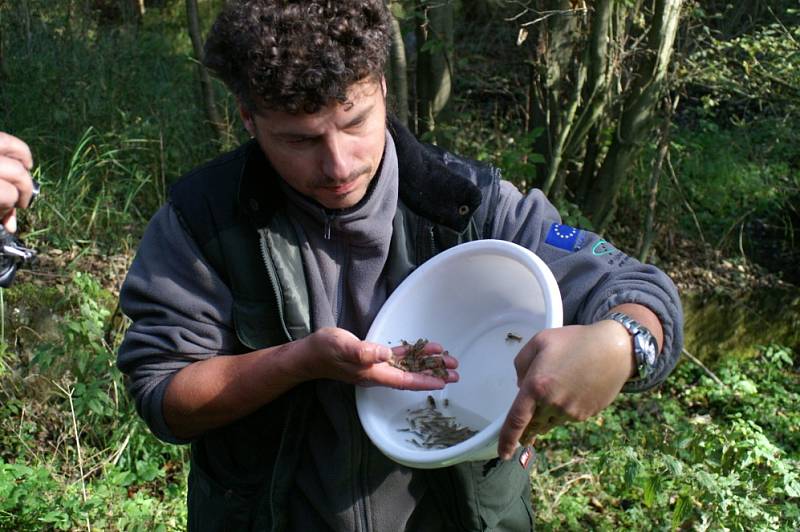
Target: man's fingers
(385,375)
(10,221)
(545,418)
(517,419)
(524,359)
(14,174)
(369,353)
(9,195)
(431,348)
(11,146)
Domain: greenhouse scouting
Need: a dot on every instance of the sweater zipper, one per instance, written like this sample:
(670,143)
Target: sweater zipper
(341,251)
(360,480)
(329,218)
(433,242)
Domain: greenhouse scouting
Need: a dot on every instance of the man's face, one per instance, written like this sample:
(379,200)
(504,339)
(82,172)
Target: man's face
(331,155)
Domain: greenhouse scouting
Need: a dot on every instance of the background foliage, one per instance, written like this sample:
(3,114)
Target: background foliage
(112,107)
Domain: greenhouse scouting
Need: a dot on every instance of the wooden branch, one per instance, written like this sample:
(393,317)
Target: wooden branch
(212,114)
(565,127)
(637,113)
(646,237)
(398,69)
(598,75)
(710,373)
(685,199)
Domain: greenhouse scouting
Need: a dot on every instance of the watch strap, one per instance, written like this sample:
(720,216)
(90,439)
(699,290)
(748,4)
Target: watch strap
(644,346)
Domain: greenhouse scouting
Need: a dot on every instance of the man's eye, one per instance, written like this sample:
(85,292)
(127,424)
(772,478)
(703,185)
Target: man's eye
(356,125)
(300,140)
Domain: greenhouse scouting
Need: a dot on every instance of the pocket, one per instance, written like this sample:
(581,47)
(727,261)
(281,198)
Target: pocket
(491,496)
(257,323)
(212,507)
(503,496)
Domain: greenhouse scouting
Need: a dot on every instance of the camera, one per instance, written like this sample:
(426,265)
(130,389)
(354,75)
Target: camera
(13,255)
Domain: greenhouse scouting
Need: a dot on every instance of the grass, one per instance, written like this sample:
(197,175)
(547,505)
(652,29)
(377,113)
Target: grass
(112,115)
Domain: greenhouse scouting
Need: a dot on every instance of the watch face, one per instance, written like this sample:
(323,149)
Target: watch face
(646,345)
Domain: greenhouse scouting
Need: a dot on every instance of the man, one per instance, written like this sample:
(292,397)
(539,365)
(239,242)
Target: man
(254,285)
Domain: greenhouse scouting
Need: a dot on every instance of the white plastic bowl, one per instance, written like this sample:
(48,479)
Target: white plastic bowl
(467,298)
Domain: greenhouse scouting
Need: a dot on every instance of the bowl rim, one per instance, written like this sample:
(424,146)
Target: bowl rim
(460,452)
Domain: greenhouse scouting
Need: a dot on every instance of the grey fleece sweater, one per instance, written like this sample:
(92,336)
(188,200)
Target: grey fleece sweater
(181,313)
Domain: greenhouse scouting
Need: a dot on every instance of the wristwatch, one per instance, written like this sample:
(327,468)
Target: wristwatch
(645,347)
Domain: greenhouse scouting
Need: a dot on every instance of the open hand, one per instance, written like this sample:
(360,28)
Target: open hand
(340,355)
(565,374)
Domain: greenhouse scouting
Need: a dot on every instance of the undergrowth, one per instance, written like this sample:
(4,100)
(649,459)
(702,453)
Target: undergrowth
(73,452)
(709,451)
(699,454)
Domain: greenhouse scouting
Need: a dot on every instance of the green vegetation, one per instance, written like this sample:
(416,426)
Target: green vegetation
(73,451)
(113,114)
(697,454)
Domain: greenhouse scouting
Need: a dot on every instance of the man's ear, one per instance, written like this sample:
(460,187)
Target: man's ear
(383,85)
(247,119)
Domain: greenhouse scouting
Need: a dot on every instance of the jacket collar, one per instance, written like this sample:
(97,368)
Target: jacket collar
(427,186)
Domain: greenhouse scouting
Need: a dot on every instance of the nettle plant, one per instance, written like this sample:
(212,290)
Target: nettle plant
(80,453)
(698,454)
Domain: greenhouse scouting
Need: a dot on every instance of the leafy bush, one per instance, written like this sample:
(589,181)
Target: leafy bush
(695,454)
(73,449)
(731,175)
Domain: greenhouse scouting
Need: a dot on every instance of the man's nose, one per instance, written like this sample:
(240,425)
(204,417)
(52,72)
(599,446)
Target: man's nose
(336,161)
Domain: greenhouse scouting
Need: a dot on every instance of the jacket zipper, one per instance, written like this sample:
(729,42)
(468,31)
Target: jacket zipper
(273,277)
(359,459)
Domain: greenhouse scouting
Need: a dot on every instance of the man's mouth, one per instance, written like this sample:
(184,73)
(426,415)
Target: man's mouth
(341,189)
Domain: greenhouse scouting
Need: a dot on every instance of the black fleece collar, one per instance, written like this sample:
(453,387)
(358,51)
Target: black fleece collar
(426,185)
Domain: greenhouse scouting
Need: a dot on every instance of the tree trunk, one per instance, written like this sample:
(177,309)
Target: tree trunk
(137,8)
(3,70)
(434,61)
(599,74)
(398,70)
(646,238)
(643,95)
(205,80)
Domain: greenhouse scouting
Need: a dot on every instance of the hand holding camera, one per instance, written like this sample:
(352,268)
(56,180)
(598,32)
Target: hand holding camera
(17,190)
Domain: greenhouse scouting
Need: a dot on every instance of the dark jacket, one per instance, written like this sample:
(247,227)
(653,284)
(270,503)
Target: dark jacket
(231,214)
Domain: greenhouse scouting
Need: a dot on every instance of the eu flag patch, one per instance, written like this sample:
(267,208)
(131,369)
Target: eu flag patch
(563,236)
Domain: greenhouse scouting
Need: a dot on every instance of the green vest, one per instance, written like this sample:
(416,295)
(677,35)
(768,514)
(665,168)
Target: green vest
(241,474)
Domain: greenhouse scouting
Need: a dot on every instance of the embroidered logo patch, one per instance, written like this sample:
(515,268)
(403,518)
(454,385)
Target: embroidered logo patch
(563,236)
(601,247)
(525,457)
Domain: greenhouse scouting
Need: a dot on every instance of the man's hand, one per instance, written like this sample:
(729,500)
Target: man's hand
(339,355)
(216,391)
(16,185)
(566,374)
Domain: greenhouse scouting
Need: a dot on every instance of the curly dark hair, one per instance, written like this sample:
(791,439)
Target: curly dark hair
(297,55)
